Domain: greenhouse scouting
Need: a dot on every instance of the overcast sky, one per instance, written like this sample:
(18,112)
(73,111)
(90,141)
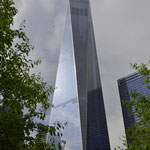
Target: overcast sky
(122,31)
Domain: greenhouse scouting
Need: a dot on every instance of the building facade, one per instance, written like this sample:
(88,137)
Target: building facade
(78,99)
(125,84)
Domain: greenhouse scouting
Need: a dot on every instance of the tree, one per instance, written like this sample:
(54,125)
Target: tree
(23,96)
(138,134)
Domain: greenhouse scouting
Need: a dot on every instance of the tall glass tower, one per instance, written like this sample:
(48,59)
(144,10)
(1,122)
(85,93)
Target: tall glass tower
(78,99)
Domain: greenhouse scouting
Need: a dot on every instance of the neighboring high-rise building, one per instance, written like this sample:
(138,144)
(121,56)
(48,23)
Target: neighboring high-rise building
(125,84)
(78,98)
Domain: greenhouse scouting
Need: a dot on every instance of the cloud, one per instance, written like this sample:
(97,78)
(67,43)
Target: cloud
(44,26)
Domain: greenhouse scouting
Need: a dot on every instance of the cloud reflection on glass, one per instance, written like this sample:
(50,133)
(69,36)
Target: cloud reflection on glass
(66,107)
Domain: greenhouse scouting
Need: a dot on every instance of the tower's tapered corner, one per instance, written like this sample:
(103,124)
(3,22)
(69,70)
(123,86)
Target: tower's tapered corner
(78,98)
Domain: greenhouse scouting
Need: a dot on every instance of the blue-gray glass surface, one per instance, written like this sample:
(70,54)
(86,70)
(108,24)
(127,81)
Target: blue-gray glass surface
(92,111)
(79,91)
(136,82)
(133,81)
(66,106)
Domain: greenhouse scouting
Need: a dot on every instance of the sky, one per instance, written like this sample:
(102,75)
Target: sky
(122,32)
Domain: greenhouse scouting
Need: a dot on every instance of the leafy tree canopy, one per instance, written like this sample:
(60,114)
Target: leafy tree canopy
(23,96)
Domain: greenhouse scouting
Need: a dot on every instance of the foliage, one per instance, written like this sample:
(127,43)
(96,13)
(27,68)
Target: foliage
(23,96)
(138,135)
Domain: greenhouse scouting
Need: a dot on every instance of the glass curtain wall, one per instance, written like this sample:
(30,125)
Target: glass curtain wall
(66,106)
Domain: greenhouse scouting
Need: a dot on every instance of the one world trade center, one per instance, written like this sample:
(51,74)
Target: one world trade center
(78,98)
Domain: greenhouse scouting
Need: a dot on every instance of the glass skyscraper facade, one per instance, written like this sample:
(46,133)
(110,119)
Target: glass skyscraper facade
(125,84)
(78,98)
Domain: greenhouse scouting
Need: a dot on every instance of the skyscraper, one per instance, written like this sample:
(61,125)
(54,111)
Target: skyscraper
(125,84)
(78,98)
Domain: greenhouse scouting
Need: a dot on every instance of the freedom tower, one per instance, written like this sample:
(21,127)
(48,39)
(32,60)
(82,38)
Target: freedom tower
(78,98)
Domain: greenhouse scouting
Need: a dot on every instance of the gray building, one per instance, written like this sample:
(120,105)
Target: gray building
(125,84)
(78,98)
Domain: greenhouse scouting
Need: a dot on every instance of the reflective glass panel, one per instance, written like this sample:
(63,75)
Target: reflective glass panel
(66,106)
